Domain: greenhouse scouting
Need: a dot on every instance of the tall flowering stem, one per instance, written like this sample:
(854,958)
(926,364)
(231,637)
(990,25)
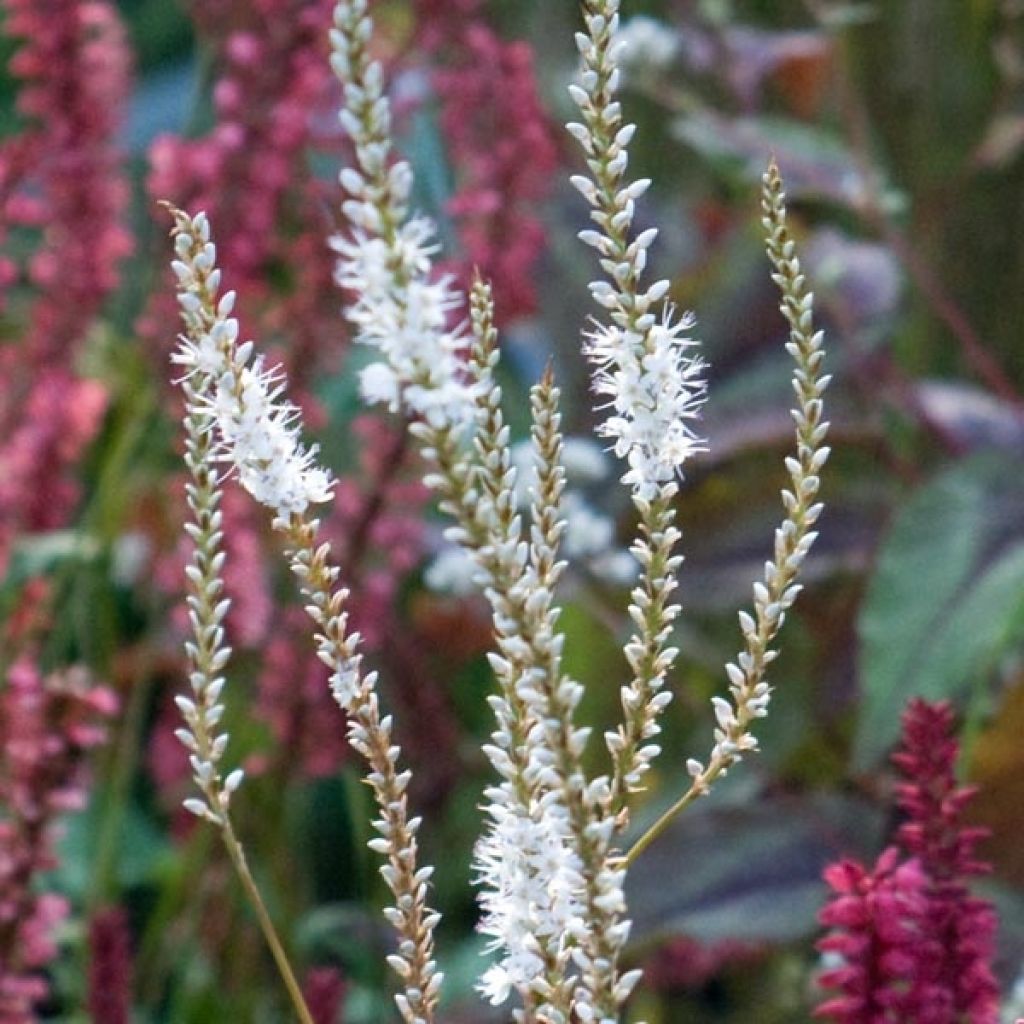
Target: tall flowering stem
(749,692)
(525,616)
(404,313)
(385,261)
(207,325)
(653,387)
(532,960)
(252,429)
(519,583)
(526,862)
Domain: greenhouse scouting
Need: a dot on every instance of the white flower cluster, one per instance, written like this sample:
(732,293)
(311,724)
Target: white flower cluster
(405,314)
(399,309)
(255,426)
(259,438)
(655,390)
(531,883)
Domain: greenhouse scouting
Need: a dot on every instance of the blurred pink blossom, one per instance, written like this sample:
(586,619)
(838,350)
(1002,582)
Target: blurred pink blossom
(324,991)
(275,106)
(295,700)
(63,175)
(47,725)
(246,579)
(685,963)
(501,147)
(62,184)
(59,416)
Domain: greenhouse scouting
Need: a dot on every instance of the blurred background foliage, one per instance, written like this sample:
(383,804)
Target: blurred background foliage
(900,129)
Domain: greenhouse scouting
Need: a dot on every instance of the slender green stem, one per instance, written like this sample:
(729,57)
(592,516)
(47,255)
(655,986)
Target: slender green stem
(664,821)
(284,967)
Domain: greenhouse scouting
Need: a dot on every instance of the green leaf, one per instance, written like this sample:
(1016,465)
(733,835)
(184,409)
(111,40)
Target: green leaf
(144,851)
(347,933)
(593,656)
(463,964)
(946,598)
(983,624)
(43,553)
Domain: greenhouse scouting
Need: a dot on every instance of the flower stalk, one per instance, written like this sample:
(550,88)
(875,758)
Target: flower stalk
(653,386)
(773,596)
(370,734)
(386,262)
(207,652)
(246,424)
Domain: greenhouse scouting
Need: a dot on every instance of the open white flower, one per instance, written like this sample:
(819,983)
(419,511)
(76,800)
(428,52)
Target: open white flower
(655,390)
(533,892)
(255,427)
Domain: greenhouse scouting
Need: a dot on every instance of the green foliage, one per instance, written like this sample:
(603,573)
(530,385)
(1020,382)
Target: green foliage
(946,599)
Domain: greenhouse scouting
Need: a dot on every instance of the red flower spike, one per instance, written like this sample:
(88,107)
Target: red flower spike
(962,926)
(877,919)
(915,946)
